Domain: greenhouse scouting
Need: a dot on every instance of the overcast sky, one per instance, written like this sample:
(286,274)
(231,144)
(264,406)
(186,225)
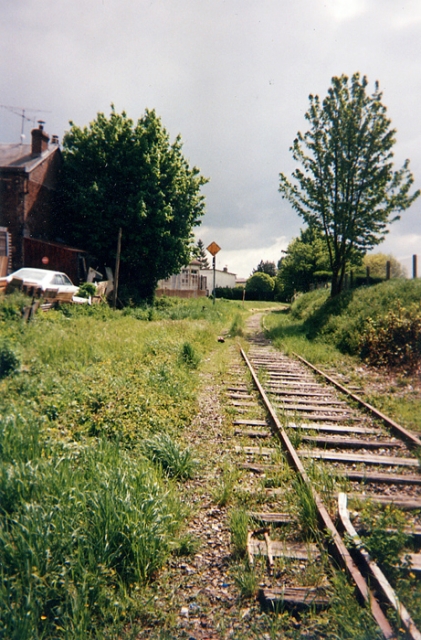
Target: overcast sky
(232,77)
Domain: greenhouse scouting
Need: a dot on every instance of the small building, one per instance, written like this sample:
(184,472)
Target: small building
(223,278)
(28,180)
(189,283)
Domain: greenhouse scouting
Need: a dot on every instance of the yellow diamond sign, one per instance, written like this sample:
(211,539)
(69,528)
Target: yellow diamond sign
(213,248)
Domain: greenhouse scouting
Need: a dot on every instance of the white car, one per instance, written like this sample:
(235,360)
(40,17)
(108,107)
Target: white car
(49,284)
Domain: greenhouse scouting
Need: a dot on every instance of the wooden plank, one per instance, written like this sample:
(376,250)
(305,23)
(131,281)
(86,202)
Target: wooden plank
(387,478)
(263,451)
(276,391)
(406,504)
(244,404)
(303,406)
(290,550)
(250,433)
(390,461)
(272,518)
(243,396)
(313,426)
(293,596)
(287,398)
(354,443)
(251,423)
(257,468)
(324,417)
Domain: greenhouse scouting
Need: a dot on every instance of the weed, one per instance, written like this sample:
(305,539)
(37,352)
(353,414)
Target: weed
(385,536)
(175,462)
(237,326)
(224,490)
(189,356)
(246,581)
(239,525)
(307,509)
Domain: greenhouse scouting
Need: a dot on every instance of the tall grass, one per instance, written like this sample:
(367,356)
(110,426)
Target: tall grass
(80,525)
(85,519)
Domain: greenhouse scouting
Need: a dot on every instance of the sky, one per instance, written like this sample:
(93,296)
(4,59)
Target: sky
(232,77)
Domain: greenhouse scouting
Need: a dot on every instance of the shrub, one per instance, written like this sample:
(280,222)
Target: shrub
(9,360)
(394,341)
(86,289)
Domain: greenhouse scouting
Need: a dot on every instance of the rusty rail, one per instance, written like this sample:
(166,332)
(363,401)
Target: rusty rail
(324,516)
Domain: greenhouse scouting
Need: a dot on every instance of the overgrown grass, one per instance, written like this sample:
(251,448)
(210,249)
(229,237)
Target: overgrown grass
(86,520)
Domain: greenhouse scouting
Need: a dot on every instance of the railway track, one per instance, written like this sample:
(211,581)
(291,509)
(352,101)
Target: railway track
(342,453)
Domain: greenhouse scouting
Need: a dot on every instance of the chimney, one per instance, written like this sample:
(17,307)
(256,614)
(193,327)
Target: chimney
(40,140)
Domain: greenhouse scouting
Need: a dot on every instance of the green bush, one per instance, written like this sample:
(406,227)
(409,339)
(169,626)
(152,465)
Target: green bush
(189,356)
(9,360)
(394,341)
(86,290)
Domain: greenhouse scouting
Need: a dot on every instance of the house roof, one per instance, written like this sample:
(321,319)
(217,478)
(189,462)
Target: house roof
(18,157)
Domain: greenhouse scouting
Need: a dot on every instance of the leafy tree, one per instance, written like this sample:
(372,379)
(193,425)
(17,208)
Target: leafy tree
(260,286)
(120,174)
(347,187)
(377,264)
(199,252)
(305,264)
(265,266)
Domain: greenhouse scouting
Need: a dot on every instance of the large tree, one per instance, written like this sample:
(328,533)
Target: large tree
(121,174)
(266,266)
(304,265)
(346,186)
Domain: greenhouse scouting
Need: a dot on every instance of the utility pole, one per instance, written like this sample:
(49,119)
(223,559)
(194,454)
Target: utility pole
(117,267)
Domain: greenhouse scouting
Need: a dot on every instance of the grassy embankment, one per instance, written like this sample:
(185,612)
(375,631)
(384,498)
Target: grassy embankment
(380,325)
(93,404)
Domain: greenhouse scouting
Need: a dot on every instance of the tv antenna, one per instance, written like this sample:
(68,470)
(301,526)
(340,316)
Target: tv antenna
(21,112)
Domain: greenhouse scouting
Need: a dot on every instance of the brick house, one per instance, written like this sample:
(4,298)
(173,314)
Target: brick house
(28,178)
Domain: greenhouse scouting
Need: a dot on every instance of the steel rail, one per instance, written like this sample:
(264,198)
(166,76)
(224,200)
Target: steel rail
(341,549)
(404,433)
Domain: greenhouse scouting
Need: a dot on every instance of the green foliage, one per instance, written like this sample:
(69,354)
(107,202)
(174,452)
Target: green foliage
(385,536)
(237,326)
(189,356)
(130,176)
(9,359)
(199,252)
(81,525)
(86,289)
(394,341)
(347,188)
(224,489)
(239,524)
(305,265)
(246,581)
(260,286)
(342,321)
(266,266)
(165,452)
(376,262)
(230,293)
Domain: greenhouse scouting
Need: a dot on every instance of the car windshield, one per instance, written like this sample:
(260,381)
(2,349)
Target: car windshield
(35,275)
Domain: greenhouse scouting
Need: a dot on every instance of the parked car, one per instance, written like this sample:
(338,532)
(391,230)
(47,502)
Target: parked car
(49,284)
